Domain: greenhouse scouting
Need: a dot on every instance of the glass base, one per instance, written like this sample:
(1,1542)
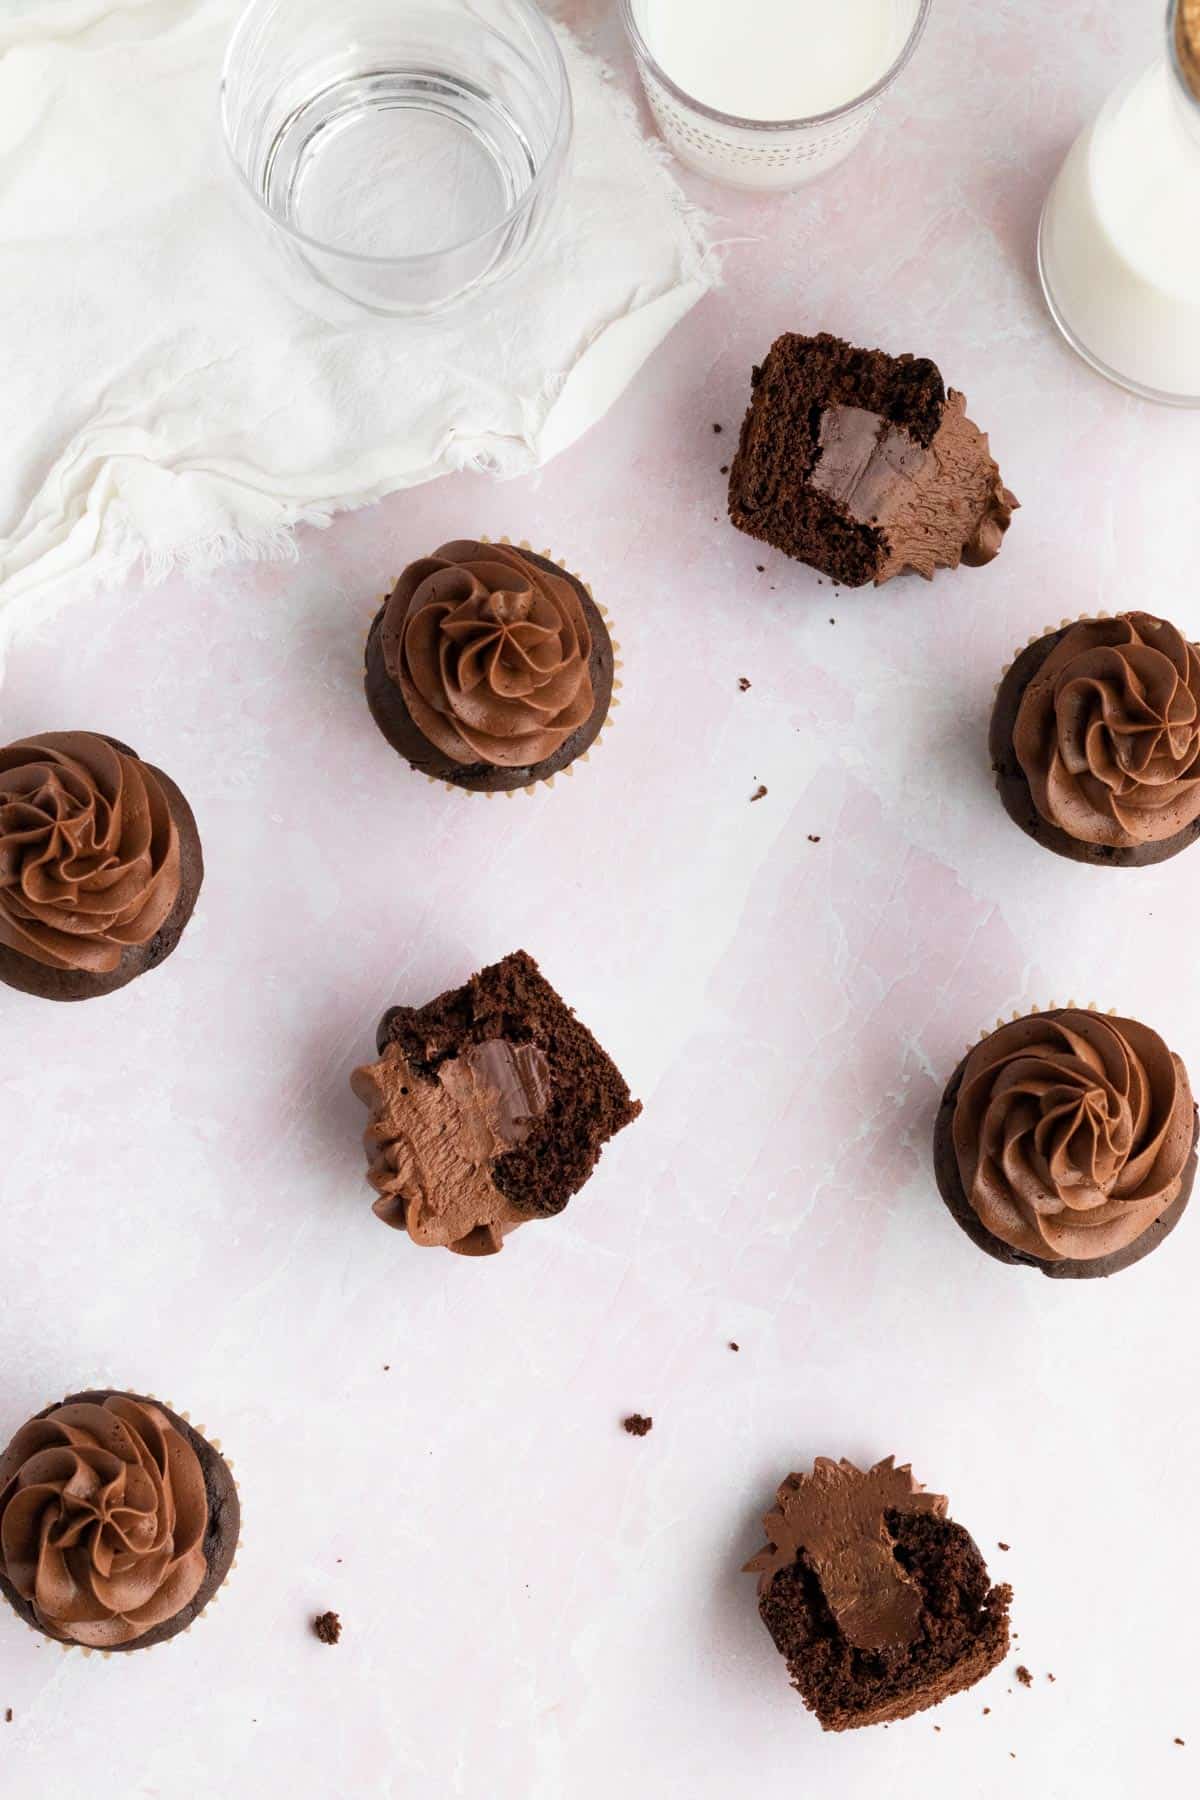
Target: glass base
(1080,348)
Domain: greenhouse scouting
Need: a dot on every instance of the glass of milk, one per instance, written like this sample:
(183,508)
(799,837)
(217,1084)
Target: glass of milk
(1119,245)
(769,93)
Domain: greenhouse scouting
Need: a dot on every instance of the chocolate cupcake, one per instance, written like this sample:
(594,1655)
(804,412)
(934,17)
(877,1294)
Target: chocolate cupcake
(100,865)
(1066,1142)
(864,465)
(881,1605)
(118,1521)
(489,1107)
(1095,741)
(489,667)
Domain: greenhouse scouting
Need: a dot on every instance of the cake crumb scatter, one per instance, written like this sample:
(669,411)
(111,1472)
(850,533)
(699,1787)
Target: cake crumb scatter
(734,1346)
(717,429)
(1023,1676)
(8,1718)
(328,1627)
(1002,1546)
(759,794)
(744,684)
(813,839)
(637,1425)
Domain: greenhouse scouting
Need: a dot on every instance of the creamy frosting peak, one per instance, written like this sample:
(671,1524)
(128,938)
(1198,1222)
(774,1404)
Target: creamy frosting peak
(1072,1132)
(935,507)
(1108,732)
(837,1516)
(431,1142)
(103,1511)
(89,851)
(491,653)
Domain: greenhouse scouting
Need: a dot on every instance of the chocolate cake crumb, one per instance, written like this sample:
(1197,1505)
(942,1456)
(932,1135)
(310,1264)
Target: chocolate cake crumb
(1002,1546)
(724,468)
(1023,1676)
(761,567)
(743,684)
(637,1426)
(734,1346)
(718,429)
(1050,1678)
(812,839)
(759,794)
(1179,1741)
(986,1711)
(8,1721)
(328,1627)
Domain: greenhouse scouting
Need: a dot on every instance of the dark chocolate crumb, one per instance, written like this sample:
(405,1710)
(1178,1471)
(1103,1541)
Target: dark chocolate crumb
(1023,1676)
(937,1728)
(718,429)
(812,839)
(743,684)
(761,567)
(1051,1678)
(724,468)
(386,1367)
(833,621)
(734,1346)
(1002,1546)
(637,1426)
(8,1720)
(760,793)
(986,1711)
(1179,1741)
(328,1627)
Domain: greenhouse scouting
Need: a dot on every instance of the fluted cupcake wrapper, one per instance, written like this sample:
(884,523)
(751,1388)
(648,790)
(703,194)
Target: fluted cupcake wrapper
(1048,631)
(1034,1012)
(215,1444)
(545,781)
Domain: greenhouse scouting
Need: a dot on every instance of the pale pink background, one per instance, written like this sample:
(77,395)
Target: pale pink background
(536,1605)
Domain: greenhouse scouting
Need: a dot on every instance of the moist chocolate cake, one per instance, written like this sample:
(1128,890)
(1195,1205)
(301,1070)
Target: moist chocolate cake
(1095,741)
(864,466)
(1066,1142)
(489,1107)
(489,667)
(880,1605)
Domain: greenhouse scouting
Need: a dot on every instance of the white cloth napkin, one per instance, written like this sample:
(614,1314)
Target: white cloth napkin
(172,392)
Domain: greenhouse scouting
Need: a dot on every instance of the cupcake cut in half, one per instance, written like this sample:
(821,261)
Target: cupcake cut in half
(879,1603)
(1066,1142)
(1095,741)
(864,466)
(100,865)
(489,1107)
(489,667)
(118,1521)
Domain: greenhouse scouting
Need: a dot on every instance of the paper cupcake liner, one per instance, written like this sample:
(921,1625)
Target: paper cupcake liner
(1048,631)
(1034,1012)
(543,781)
(215,1443)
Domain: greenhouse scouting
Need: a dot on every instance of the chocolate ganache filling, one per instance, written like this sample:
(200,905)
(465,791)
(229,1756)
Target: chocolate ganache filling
(103,1511)
(1108,732)
(89,851)
(1072,1132)
(491,654)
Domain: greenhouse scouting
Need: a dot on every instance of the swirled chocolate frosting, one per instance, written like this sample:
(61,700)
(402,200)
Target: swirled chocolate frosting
(89,851)
(1108,732)
(431,1141)
(1072,1132)
(490,653)
(103,1511)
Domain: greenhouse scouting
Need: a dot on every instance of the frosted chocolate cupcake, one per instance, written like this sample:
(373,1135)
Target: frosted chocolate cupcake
(880,1604)
(118,1522)
(1066,1142)
(489,667)
(100,865)
(489,1107)
(1095,741)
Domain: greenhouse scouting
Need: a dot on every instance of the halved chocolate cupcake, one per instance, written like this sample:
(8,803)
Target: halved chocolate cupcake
(864,466)
(489,667)
(1066,1142)
(489,1107)
(100,865)
(1095,741)
(881,1605)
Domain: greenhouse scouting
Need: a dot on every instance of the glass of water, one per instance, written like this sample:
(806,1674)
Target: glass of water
(405,151)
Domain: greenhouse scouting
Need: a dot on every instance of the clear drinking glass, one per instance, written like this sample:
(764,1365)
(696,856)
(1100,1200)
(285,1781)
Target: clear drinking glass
(759,153)
(1119,240)
(406,151)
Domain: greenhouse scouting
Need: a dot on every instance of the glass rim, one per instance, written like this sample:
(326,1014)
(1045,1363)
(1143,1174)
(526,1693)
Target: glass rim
(560,134)
(714,113)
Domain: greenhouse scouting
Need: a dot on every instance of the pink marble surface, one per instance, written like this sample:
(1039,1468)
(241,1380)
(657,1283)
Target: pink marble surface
(534,1604)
